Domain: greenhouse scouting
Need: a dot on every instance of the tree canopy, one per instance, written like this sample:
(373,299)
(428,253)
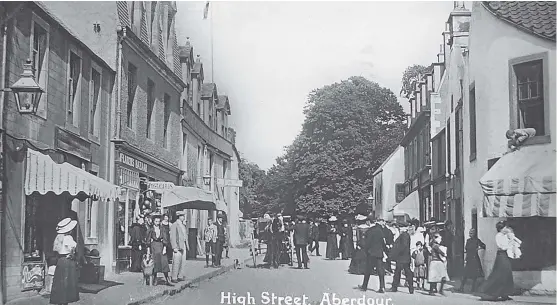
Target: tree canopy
(410,76)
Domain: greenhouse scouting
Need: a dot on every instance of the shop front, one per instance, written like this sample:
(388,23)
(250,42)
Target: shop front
(521,189)
(52,190)
(142,181)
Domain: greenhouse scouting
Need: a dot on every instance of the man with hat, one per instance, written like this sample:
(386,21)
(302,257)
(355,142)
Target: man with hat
(401,255)
(374,245)
(220,240)
(389,240)
(180,246)
(301,238)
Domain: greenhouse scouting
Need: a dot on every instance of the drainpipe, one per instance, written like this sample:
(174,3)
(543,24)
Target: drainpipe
(121,32)
(2,136)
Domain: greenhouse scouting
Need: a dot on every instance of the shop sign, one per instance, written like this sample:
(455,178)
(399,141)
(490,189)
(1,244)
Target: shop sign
(129,161)
(32,276)
(159,186)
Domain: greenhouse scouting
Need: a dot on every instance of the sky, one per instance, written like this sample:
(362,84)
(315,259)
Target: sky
(268,56)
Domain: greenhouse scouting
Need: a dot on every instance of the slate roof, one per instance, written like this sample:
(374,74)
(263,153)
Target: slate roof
(536,17)
(224,103)
(207,90)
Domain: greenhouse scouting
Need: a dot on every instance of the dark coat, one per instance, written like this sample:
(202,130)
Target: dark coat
(389,236)
(401,249)
(373,242)
(314,232)
(301,234)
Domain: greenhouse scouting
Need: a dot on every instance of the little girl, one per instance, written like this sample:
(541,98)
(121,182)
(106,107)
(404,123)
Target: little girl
(437,272)
(420,270)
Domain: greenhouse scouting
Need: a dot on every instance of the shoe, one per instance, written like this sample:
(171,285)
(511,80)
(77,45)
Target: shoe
(306,267)
(299,267)
(381,290)
(181,279)
(362,288)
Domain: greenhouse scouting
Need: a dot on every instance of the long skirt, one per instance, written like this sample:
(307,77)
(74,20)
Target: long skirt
(500,282)
(346,247)
(64,284)
(136,256)
(160,261)
(332,246)
(473,268)
(358,264)
(437,272)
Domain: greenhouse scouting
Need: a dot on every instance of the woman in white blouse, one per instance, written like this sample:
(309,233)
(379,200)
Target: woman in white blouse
(64,284)
(499,285)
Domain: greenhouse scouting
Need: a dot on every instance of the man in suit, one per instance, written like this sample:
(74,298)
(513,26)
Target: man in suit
(389,240)
(301,239)
(314,237)
(220,240)
(179,242)
(402,256)
(373,244)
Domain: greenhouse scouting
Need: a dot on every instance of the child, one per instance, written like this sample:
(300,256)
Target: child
(437,272)
(518,136)
(420,270)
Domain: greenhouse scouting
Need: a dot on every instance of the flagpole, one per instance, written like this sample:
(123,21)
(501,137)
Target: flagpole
(212,58)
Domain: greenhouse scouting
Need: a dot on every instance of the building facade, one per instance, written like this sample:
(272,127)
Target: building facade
(55,161)
(510,85)
(388,189)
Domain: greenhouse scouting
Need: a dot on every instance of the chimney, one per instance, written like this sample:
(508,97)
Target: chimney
(441,54)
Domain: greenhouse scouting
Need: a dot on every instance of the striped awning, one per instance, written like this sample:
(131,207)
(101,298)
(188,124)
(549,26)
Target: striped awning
(521,184)
(43,175)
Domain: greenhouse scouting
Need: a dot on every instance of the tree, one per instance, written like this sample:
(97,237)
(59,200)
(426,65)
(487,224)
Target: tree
(349,129)
(409,78)
(252,177)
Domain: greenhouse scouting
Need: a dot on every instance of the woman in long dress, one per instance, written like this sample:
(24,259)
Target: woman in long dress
(64,284)
(473,267)
(500,284)
(332,242)
(346,245)
(158,239)
(137,242)
(359,259)
(165,224)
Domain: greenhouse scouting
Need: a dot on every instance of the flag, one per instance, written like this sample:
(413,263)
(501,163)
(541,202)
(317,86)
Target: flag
(206,10)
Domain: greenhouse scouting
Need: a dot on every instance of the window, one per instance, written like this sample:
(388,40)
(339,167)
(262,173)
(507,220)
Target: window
(166,119)
(150,106)
(132,86)
(74,89)
(95,101)
(39,55)
(472,106)
(91,218)
(530,96)
(420,151)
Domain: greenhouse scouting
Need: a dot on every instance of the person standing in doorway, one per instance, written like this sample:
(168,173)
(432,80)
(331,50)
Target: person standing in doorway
(180,246)
(301,238)
(66,276)
(220,240)
(137,242)
(374,245)
(158,239)
(210,234)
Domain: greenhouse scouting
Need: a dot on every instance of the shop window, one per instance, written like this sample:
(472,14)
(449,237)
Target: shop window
(32,247)
(74,88)
(39,55)
(538,242)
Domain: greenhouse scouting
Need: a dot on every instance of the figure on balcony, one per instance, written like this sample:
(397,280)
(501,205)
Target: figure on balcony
(518,136)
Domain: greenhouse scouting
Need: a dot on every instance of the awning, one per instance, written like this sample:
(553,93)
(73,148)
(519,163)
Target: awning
(43,175)
(220,204)
(183,197)
(410,205)
(521,184)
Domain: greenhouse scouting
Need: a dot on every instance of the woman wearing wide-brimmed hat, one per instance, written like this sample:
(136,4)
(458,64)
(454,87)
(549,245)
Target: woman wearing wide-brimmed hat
(332,242)
(64,284)
(359,259)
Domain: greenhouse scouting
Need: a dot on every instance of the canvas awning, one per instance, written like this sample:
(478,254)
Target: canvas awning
(184,197)
(410,205)
(521,184)
(43,175)
(220,204)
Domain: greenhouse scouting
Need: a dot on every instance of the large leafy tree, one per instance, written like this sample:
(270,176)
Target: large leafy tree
(253,177)
(410,76)
(349,129)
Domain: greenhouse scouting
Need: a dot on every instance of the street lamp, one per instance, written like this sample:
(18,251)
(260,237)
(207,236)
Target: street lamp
(26,91)
(370,199)
(207,180)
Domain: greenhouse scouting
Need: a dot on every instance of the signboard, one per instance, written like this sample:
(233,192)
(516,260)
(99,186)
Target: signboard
(72,143)
(400,190)
(32,276)
(129,161)
(229,182)
(159,186)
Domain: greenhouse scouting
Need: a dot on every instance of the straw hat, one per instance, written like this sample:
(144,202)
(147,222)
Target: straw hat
(333,218)
(360,217)
(180,213)
(65,226)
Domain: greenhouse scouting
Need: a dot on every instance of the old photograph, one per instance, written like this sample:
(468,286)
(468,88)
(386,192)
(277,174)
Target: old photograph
(278,152)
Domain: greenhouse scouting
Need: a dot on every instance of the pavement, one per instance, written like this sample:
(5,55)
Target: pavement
(133,291)
(325,283)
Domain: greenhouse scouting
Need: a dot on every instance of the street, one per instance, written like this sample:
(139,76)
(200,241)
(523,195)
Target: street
(323,279)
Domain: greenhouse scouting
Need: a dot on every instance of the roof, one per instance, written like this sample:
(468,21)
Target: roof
(385,162)
(535,17)
(207,90)
(224,103)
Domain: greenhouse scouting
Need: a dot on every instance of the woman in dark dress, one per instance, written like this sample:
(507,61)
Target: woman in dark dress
(158,239)
(332,243)
(500,284)
(473,268)
(359,259)
(64,284)
(346,246)
(165,224)
(137,241)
